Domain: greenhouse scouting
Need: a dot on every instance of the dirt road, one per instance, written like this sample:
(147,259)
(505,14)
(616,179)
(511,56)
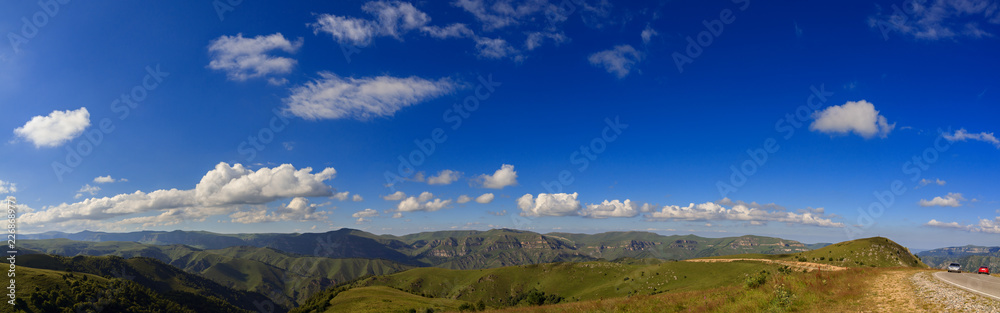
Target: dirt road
(793,264)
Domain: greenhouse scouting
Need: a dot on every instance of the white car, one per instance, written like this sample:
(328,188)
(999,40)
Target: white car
(954,267)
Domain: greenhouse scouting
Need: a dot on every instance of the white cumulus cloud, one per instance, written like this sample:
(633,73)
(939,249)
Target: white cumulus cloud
(505,176)
(335,97)
(613,208)
(963,135)
(444,177)
(107,179)
(341,195)
(949,200)
(55,129)
(938,181)
(299,209)
(422,203)
(463,199)
(485,198)
(984,225)
(223,190)
(647,34)
(941,19)
(618,61)
(557,204)
(244,58)
(711,211)
(494,14)
(495,48)
(7,187)
(859,117)
(396,196)
(391,19)
(936,223)
(536,39)
(364,216)
(88,189)
(457,30)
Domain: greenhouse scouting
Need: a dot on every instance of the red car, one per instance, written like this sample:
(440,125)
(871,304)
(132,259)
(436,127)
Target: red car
(984,270)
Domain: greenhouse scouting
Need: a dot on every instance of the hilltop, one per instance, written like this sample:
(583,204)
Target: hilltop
(865,252)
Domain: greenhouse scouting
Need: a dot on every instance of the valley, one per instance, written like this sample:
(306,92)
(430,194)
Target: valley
(499,270)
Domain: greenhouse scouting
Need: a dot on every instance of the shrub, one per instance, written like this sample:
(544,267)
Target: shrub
(755,280)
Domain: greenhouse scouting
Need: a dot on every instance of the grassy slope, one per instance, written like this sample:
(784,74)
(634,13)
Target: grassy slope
(169,281)
(87,292)
(283,277)
(838,291)
(388,300)
(866,252)
(573,281)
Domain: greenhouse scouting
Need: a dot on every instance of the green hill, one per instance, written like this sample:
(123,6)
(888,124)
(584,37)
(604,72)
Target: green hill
(866,252)
(285,278)
(41,290)
(169,283)
(389,301)
(527,285)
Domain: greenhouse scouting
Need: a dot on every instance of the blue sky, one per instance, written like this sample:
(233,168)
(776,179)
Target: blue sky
(779,119)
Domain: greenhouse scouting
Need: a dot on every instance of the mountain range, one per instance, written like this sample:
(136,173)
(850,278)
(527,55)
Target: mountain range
(289,268)
(461,249)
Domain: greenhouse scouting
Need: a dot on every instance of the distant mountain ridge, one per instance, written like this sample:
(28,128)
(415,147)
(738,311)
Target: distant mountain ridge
(462,249)
(970,257)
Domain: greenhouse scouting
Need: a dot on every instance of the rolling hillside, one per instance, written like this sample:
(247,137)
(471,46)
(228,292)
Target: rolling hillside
(169,283)
(589,284)
(528,285)
(42,290)
(285,278)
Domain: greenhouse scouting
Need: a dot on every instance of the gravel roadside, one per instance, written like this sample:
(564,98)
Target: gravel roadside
(945,297)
